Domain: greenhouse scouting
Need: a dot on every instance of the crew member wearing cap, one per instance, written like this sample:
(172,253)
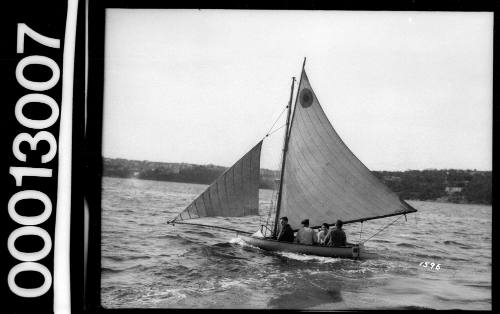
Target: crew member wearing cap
(305,235)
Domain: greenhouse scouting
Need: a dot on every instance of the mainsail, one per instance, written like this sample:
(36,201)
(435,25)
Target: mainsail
(235,193)
(323,180)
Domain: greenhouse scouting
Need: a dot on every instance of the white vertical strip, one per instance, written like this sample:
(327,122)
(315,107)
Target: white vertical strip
(86,61)
(62,293)
(86,207)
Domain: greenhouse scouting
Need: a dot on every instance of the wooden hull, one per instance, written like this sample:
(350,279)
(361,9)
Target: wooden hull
(354,251)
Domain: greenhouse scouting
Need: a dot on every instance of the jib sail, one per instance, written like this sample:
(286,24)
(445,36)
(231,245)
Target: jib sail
(235,193)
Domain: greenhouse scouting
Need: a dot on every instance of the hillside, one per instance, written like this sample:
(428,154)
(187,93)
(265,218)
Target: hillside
(448,185)
(176,172)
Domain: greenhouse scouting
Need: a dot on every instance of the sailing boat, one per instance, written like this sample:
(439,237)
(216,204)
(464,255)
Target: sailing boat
(321,180)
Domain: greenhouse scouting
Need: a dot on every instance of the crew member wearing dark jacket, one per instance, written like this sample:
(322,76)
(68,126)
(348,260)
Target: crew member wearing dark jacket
(286,232)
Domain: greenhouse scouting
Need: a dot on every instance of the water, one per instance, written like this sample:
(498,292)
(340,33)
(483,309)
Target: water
(149,264)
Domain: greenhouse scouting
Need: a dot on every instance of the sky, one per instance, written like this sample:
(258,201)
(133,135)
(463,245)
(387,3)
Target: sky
(404,90)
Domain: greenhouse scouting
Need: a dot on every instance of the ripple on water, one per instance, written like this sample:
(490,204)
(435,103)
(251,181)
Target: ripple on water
(147,264)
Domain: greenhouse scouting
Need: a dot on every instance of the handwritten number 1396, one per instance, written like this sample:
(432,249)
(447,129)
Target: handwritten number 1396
(426,264)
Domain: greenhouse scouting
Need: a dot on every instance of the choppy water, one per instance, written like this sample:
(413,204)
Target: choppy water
(149,264)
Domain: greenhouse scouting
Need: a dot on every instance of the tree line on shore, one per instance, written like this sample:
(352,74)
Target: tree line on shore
(450,185)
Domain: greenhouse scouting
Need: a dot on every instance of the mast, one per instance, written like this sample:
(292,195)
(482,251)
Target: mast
(285,147)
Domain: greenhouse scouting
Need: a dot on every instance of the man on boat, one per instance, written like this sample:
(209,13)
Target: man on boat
(336,237)
(305,235)
(286,232)
(322,233)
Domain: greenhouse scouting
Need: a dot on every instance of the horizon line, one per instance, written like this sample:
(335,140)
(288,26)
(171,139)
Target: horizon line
(207,164)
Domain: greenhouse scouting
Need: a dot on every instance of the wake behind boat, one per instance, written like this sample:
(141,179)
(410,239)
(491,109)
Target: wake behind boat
(321,180)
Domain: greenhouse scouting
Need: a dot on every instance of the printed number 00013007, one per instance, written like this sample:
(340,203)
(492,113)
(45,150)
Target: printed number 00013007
(30,261)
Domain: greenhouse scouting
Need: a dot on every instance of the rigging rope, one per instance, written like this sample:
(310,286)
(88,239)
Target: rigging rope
(270,210)
(276,130)
(267,134)
(380,230)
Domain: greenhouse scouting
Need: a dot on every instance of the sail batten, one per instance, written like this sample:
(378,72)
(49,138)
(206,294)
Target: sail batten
(234,193)
(323,180)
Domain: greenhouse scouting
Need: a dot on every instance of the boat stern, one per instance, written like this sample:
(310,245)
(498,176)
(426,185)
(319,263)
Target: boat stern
(357,250)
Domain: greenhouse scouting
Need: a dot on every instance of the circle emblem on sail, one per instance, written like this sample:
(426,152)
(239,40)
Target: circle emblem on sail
(306,97)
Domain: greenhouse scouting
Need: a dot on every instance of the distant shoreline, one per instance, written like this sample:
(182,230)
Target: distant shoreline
(446,185)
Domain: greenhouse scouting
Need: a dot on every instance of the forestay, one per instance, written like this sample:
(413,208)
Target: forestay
(323,180)
(235,193)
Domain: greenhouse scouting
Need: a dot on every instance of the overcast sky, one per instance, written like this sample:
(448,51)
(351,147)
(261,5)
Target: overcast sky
(404,90)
